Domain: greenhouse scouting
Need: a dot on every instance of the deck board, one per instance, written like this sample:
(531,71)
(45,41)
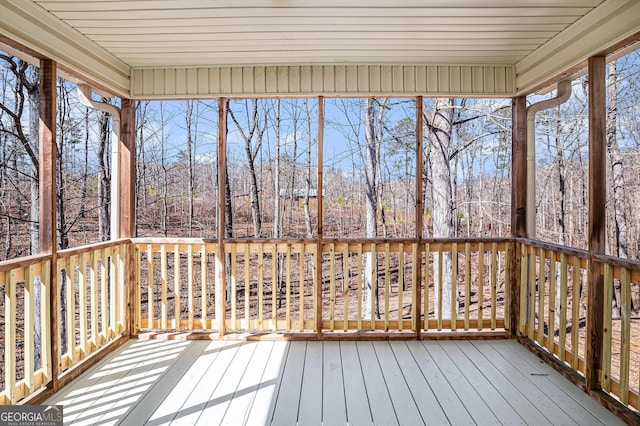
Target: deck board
(386,382)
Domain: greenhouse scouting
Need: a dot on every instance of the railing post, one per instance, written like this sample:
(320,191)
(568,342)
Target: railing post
(597,218)
(318,260)
(221,273)
(47,177)
(417,259)
(518,204)
(128,206)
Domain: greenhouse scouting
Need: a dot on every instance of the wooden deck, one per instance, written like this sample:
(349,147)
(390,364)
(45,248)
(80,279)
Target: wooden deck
(386,382)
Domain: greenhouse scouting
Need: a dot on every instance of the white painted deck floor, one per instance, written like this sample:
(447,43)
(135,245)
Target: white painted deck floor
(159,382)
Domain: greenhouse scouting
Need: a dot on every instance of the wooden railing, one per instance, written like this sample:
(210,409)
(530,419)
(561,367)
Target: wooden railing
(273,285)
(92,304)
(553,313)
(261,286)
(621,347)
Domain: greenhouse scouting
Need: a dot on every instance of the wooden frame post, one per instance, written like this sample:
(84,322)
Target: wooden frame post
(48,194)
(128,202)
(518,203)
(419,230)
(318,263)
(597,218)
(221,273)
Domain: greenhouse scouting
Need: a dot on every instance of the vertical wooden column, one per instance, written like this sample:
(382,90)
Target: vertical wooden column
(318,271)
(48,220)
(597,218)
(419,231)
(518,203)
(127,182)
(221,273)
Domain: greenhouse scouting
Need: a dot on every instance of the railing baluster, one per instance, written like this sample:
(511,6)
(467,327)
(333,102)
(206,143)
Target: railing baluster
(104,293)
(607,331)
(287,287)
(454,286)
(387,285)
(467,283)
(562,335)
(400,285)
(176,287)
(416,259)
(360,285)
(274,284)
(150,292)
(45,319)
(440,289)
(575,313)
(10,315)
(260,285)
(374,285)
(625,333)
(425,311)
(301,285)
(524,300)
(332,285)
(204,290)
(190,286)
(552,303)
(93,278)
(71,309)
(82,290)
(163,283)
(494,283)
(345,286)
(542,263)
(247,287)
(29,323)
(531,301)
(231,252)
(480,286)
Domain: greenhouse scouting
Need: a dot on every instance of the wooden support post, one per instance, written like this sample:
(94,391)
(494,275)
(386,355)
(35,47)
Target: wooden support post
(597,218)
(221,273)
(518,203)
(318,262)
(417,311)
(48,220)
(128,204)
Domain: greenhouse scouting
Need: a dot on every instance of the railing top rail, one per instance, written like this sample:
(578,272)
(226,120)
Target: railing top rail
(92,247)
(170,240)
(21,262)
(570,251)
(630,264)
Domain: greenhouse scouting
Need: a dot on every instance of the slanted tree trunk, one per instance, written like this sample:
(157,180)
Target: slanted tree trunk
(439,139)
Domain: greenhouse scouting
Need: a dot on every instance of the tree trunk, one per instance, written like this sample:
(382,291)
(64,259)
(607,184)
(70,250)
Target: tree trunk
(439,139)
(307,210)
(188,119)
(104,180)
(371,204)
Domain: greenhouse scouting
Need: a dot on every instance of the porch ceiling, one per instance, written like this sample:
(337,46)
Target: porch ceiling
(108,41)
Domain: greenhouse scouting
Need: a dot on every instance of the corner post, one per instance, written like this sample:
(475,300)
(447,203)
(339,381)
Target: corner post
(48,194)
(417,262)
(221,273)
(518,204)
(597,219)
(318,263)
(127,182)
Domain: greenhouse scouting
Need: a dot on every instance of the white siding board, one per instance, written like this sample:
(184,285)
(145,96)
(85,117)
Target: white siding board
(225,81)
(374,79)
(170,82)
(305,79)
(283,80)
(352,79)
(328,81)
(340,79)
(260,80)
(409,79)
(316,79)
(271,76)
(386,79)
(181,81)
(294,79)
(248,77)
(214,80)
